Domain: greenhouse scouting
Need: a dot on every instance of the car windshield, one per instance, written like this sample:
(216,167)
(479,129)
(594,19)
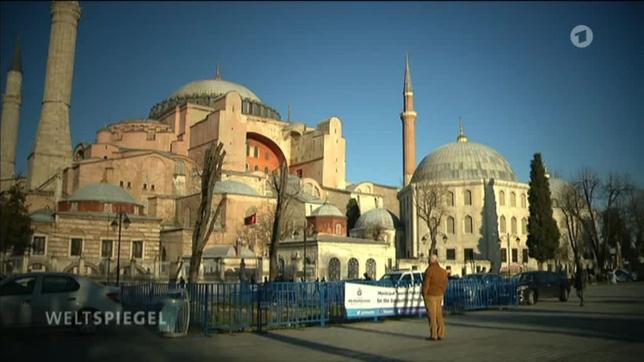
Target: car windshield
(525,277)
(390,277)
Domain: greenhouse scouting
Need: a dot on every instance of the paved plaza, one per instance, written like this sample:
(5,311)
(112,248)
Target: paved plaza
(609,328)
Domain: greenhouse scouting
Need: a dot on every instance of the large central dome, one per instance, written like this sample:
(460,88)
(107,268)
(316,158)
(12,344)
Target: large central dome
(463,160)
(215,87)
(207,93)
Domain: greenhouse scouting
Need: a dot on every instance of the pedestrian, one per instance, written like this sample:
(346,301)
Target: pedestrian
(182,283)
(434,286)
(366,276)
(581,280)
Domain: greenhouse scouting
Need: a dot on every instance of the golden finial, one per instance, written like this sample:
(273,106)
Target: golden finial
(461,132)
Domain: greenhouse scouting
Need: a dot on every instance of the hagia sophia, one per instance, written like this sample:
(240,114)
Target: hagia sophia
(149,171)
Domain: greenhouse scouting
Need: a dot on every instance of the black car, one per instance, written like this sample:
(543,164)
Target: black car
(541,284)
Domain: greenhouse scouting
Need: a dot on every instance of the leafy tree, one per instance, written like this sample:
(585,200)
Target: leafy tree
(15,223)
(543,234)
(353,213)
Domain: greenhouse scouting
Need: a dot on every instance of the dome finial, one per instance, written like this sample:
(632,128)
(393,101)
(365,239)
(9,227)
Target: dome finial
(461,132)
(289,113)
(218,72)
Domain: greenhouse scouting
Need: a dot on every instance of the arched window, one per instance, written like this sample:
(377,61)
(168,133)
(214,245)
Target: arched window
(450,225)
(371,268)
(513,225)
(502,198)
(334,269)
(468,197)
(523,201)
(513,199)
(468,224)
(502,224)
(524,226)
(450,198)
(353,269)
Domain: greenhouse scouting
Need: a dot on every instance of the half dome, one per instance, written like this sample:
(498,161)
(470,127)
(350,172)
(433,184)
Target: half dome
(102,192)
(234,187)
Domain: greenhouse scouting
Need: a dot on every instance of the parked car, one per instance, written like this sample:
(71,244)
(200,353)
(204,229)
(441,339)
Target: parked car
(401,278)
(25,299)
(623,275)
(541,284)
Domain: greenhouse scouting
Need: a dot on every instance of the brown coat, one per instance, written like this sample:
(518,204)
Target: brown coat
(435,280)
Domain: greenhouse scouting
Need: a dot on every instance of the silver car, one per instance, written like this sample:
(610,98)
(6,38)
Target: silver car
(33,299)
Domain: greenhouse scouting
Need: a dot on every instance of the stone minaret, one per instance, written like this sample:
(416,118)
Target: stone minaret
(408,117)
(10,116)
(52,150)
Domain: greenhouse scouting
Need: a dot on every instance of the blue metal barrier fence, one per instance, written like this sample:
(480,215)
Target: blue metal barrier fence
(236,307)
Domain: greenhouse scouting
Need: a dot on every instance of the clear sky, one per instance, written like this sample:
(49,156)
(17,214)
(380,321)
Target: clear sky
(508,69)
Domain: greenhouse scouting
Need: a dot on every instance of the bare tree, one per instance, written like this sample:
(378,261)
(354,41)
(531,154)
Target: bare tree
(258,236)
(206,217)
(588,185)
(614,190)
(571,204)
(284,194)
(430,200)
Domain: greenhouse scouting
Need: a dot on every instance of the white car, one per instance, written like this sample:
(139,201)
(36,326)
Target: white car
(402,278)
(31,299)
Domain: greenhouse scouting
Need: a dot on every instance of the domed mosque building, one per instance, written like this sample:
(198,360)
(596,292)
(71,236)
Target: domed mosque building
(156,161)
(482,223)
(483,219)
(150,168)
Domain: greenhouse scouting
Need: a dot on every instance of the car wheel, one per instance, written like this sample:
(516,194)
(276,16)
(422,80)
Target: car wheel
(563,295)
(86,325)
(530,297)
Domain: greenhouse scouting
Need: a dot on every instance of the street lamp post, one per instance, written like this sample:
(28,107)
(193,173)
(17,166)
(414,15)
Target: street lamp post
(120,221)
(108,270)
(305,232)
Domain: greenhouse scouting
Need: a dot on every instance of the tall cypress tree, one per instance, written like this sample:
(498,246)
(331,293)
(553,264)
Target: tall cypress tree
(543,233)
(353,214)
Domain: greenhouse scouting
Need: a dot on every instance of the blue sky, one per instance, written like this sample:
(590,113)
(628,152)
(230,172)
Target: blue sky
(508,69)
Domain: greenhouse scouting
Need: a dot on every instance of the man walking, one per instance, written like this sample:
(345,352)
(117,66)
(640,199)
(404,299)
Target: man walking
(581,278)
(434,286)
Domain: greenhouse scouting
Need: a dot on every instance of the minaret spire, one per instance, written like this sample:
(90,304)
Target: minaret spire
(16,59)
(11,116)
(408,117)
(407,87)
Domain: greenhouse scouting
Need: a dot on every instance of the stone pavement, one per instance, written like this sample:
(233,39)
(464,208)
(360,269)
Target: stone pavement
(609,328)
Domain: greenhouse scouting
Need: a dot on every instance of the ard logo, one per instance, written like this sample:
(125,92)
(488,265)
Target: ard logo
(359,292)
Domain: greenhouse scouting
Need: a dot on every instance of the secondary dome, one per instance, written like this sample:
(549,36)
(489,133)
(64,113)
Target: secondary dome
(463,160)
(103,192)
(214,87)
(376,218)
(327,210)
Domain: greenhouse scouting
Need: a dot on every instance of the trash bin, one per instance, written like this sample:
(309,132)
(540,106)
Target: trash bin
(174,316)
